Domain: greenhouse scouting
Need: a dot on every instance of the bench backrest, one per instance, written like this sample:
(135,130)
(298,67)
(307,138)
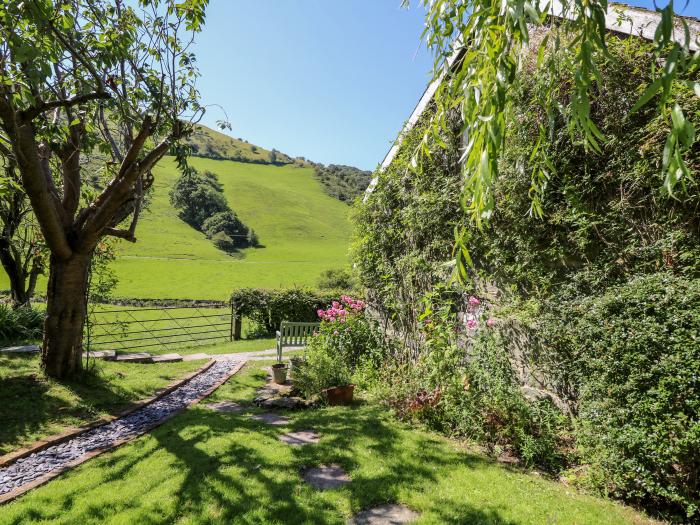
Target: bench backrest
(296,334)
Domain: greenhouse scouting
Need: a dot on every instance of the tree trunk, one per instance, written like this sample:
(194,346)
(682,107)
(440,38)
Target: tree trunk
(13,269)
(61,354)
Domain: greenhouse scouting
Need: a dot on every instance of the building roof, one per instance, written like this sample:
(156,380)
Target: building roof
(620,18)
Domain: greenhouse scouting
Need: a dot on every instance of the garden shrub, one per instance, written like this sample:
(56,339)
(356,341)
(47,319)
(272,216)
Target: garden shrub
(20,324)
(345,341)
(268,308)
(639,407)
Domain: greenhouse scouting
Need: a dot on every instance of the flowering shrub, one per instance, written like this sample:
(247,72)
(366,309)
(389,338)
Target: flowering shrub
(343,340)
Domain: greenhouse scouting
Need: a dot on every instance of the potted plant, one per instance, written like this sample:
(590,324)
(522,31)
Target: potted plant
(279,373)
(295,362)
(340,395)
(325,374)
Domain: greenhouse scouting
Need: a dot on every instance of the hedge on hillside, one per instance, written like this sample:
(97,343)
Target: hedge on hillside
(268,308)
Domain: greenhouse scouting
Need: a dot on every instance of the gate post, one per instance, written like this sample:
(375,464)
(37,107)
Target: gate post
(236,324)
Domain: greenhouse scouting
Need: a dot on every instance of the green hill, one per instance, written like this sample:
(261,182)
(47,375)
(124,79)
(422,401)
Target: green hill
(302,232)
(301,229)
(212,144)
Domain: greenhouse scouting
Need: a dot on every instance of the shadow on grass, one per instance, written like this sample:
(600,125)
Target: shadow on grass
(229,468)
(31,402)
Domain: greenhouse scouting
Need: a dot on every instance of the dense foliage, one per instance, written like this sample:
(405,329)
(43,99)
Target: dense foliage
(22,324)
(342,345)
(268,308)
(344,183)
(634,351)
(201,202)
(587,365)
(478,47)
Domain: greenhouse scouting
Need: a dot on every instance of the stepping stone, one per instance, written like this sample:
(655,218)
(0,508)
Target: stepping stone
(271,418)
(301,437)
(388,514)
(326,477)
(195,357)
(226,406)
(139,357)
(166,358)
(28,349)
(101,354)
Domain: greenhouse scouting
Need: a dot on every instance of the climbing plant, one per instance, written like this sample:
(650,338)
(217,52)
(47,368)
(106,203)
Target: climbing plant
(478,47)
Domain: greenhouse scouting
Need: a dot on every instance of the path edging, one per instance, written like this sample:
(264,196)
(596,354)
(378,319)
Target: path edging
(6,498)
(9,458)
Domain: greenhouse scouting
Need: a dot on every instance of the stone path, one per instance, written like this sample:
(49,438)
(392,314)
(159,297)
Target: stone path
(55,458)
(28,349)
(300,437)
(271,418)
(389,514)
(326,477)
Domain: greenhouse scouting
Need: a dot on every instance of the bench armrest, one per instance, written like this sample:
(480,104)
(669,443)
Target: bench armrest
(277,333)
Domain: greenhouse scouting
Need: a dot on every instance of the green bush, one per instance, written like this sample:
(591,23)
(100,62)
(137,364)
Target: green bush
(344,342)
(321,369)
(21,324)
(337,279)
(227,222)
(198,196)
(268,308)
(639,410)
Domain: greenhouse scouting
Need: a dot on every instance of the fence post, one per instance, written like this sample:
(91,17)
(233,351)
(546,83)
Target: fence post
(236,324)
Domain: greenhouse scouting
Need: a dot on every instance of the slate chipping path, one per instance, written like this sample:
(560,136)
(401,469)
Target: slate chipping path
(28,469)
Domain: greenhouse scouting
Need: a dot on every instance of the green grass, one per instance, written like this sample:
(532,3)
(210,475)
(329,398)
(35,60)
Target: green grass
(303,231)
(209,142)
(34,407)
(210,467)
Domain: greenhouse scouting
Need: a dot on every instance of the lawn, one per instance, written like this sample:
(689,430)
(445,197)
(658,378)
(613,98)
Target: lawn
(34,407)
(211,467)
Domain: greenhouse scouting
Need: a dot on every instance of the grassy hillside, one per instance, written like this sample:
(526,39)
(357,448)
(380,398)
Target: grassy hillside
(213,144)
(302,230)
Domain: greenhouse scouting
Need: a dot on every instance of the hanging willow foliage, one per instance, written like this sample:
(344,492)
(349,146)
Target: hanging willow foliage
(478,48)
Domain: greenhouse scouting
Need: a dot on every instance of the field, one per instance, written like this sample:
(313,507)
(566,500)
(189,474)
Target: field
(302,231)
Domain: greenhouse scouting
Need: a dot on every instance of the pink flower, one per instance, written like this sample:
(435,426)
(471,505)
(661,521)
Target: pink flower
(320,313)
(336,304)
(474,301)
(471,324)
(335,332)
(490,322)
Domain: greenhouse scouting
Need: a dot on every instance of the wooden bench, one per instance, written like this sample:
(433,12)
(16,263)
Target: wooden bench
(294,335)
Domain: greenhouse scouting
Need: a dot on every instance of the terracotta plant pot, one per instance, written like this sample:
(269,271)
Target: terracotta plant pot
(340,395)
(279,373)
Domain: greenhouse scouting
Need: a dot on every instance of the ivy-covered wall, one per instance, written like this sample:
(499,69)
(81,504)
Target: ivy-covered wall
(612,267)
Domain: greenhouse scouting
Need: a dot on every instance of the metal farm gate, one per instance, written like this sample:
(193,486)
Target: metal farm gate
(165,327)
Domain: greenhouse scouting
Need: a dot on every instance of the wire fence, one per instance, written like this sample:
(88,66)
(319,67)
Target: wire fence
(158,328)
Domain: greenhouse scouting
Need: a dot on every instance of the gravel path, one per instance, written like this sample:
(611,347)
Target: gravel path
(28,469)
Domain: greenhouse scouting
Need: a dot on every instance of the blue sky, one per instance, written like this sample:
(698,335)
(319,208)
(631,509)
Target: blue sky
(330,80)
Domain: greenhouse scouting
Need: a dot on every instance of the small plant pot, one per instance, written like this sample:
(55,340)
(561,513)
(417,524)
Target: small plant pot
(294,362)
(279,373)
(340,395)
